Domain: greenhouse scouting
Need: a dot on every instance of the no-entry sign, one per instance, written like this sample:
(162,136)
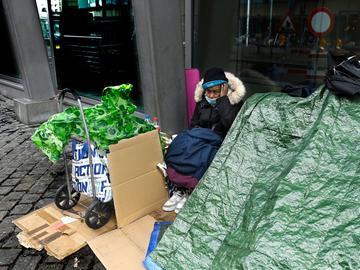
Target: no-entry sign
(320,21)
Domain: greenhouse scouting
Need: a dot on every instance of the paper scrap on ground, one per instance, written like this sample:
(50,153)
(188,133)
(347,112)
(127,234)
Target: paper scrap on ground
(67,220)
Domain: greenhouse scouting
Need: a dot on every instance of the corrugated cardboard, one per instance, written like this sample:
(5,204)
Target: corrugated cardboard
(128,250)
(138,190)
(44,229)
(138,187)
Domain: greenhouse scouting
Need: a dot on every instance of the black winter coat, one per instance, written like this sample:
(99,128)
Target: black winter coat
(218,118)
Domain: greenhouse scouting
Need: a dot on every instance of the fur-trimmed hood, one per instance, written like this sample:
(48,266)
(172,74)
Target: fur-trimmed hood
(236,90)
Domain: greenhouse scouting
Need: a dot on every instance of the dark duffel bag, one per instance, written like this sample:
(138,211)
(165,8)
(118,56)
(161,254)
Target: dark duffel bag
(343,75)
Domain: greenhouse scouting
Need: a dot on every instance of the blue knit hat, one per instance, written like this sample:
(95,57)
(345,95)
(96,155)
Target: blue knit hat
(214,76)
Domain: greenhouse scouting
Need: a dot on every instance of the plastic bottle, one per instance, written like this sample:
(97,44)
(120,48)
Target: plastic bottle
(147,119)
(155,123)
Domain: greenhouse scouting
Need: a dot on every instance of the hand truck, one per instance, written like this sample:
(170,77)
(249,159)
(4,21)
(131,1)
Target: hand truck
(98,213)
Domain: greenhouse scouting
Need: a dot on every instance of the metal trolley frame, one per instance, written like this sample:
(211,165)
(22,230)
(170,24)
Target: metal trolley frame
(98,213)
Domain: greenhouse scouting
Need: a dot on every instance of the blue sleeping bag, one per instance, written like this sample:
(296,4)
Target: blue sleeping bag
(192,151)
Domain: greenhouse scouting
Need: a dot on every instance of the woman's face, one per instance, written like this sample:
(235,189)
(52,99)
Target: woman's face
(213,92)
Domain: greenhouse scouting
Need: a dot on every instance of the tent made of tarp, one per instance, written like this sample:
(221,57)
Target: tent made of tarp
(283,191)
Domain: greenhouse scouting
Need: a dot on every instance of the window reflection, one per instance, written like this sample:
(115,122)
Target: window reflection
(274,43)
(94,45)
(8,64)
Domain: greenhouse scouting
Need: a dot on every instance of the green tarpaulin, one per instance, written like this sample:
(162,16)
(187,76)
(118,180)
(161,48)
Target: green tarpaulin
(283,192)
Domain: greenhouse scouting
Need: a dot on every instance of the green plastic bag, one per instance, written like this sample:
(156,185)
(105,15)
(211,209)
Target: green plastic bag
(108,123)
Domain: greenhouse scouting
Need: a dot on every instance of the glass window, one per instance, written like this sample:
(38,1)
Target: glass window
(94,45)
(274,43)
(8,64)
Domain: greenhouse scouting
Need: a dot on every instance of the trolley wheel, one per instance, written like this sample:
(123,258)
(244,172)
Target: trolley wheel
(62,199)
(98,214)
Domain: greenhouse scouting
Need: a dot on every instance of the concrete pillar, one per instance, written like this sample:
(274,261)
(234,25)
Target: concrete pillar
(161,61)
(30,51)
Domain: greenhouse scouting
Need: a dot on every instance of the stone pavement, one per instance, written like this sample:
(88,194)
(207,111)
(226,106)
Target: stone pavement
(28,181)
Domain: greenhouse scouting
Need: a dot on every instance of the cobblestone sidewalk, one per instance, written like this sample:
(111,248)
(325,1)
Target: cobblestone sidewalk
(28,181)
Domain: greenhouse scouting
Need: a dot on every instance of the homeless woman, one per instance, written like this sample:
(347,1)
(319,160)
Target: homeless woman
(219,97)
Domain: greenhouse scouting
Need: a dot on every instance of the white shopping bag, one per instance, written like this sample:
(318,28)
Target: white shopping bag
(80,174)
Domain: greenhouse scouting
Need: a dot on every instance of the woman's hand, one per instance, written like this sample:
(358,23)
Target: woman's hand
(224,90)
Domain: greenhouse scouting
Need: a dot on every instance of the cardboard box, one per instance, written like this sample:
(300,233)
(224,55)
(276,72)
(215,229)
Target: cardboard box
(138,190)
(137,185)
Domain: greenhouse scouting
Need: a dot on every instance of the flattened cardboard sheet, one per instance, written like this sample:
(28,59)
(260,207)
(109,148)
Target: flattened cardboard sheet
(59,232)
(128,250)
(138,189)
(137,185)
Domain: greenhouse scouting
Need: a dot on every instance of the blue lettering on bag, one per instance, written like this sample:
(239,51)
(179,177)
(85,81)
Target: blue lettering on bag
(88,169)
(82,153)
(97,168)
(103,185)
(84,170)
(82,187)
(81,170)
(76,171)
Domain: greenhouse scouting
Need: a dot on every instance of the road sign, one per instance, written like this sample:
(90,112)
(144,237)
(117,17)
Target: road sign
(320,21)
